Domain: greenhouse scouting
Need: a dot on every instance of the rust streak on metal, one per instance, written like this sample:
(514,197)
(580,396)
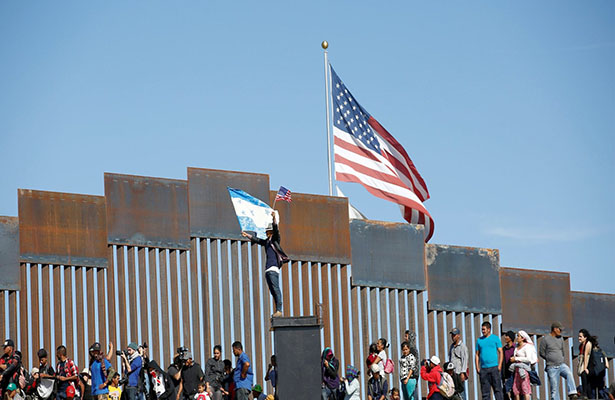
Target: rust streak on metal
(62,228)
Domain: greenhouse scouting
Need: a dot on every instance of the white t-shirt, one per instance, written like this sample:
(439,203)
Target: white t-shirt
(202,396)
(383,359)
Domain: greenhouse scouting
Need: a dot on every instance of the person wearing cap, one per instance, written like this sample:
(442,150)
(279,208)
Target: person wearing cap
(432,373)
(449,368)
(488,360)
(351,383)
(132,364)
(101,372)
(85,384)
(10,391)
(377,386)
(257,392)
(67,373)
(458,355)
(551,349)
(275,258)
(9,365)
(46,376)
(191,375)
(70,393)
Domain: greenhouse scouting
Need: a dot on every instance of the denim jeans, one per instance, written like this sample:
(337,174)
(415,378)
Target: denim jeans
(325,393)
(131,393)
(491,378)
(554,373)
(242,394)
(273,281)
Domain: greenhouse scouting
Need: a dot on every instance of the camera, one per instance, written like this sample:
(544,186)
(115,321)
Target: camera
(123,381)
(120,352)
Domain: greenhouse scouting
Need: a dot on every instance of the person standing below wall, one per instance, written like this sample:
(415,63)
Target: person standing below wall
(214,372)
(275,258)
(101,372)
(551,350)
(489,358)
(591,380)
(46,377)
(132,363)
(408,371)
(458,355)
(522,362)
(9,365)
(67,373)
(507,375)
(330,378)
(243,375)
(432,373)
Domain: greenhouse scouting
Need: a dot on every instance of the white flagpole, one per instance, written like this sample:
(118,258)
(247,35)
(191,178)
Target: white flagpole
(325,45)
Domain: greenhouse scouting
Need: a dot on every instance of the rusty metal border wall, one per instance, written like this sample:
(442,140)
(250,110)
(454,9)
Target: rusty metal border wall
(9,254)
(211,290)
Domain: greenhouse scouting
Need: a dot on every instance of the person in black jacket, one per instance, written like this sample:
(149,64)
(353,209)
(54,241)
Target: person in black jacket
(161,384)
(274,261)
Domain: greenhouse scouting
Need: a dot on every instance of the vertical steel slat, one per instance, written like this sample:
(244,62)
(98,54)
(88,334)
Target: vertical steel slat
(248,304)
(315,285)
(205,306)
(153,304)
(14,330)
(373,315)
(468,340)
(440,316)
(394,314)
(496,321)
(402,296)
(431,334)
(382,312)
(174,296)
(256,307)
(4,315)
(34,309)
(89,283)
(326,307)
(46,300)
(335,312)
(562,388)
(167,349)
(102,306)
(120,277)
(68,310)
(216,295)
(356,327)
(295,273)
(57,307)
(143,303)
(236,283)
(365,313)
(540,391)
(132,295)
(110,295)
(450,324)
(225,295)
(306,307)
(81,334)
(191,333)
(285,288)
(421,335)
(346,315)
(477,333)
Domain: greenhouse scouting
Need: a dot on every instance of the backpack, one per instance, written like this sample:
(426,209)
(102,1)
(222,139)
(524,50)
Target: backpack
(597,361)
(446,386)
(389,366)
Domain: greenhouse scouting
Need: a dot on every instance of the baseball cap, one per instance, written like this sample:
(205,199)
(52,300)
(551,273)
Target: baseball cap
(556,324)
(11,386)
(34,371)
(257,388)
(448,366)
(95,346)
(9,342)
(455,331)
(70,392)
(435,360)
(133,346)
(376,368)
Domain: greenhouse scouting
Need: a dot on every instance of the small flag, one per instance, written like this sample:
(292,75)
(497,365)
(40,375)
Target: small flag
(283,194)
(253,214)
(366,153)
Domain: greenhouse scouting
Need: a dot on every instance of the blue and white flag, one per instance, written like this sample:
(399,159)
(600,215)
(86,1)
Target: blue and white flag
(253,214)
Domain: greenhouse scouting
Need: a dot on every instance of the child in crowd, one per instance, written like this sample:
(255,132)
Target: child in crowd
(202,393)
(115,391)
(394,394)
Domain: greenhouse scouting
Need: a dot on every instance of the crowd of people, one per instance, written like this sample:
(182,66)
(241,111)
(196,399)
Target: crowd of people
(507,370)
(140,378)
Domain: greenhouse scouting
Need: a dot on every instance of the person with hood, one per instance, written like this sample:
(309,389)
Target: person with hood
(330,379)
(161,384)
(432,373)
(521,364)
(351,383)
(274,261)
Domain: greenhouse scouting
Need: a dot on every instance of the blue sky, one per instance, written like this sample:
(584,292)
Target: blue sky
(506,108)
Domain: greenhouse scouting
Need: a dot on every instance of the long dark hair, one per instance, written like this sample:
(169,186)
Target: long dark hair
(592,339)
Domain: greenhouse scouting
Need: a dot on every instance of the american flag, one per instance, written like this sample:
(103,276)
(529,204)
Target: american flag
(283,194)
(366,153)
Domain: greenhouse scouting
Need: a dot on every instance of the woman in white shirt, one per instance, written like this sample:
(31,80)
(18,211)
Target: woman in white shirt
(524,357)
(351,382)
(382,358)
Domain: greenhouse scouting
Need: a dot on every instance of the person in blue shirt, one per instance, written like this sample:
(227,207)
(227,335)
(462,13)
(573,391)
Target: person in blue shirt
(132,364)
(101,373)
(488,363)
(242,375)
